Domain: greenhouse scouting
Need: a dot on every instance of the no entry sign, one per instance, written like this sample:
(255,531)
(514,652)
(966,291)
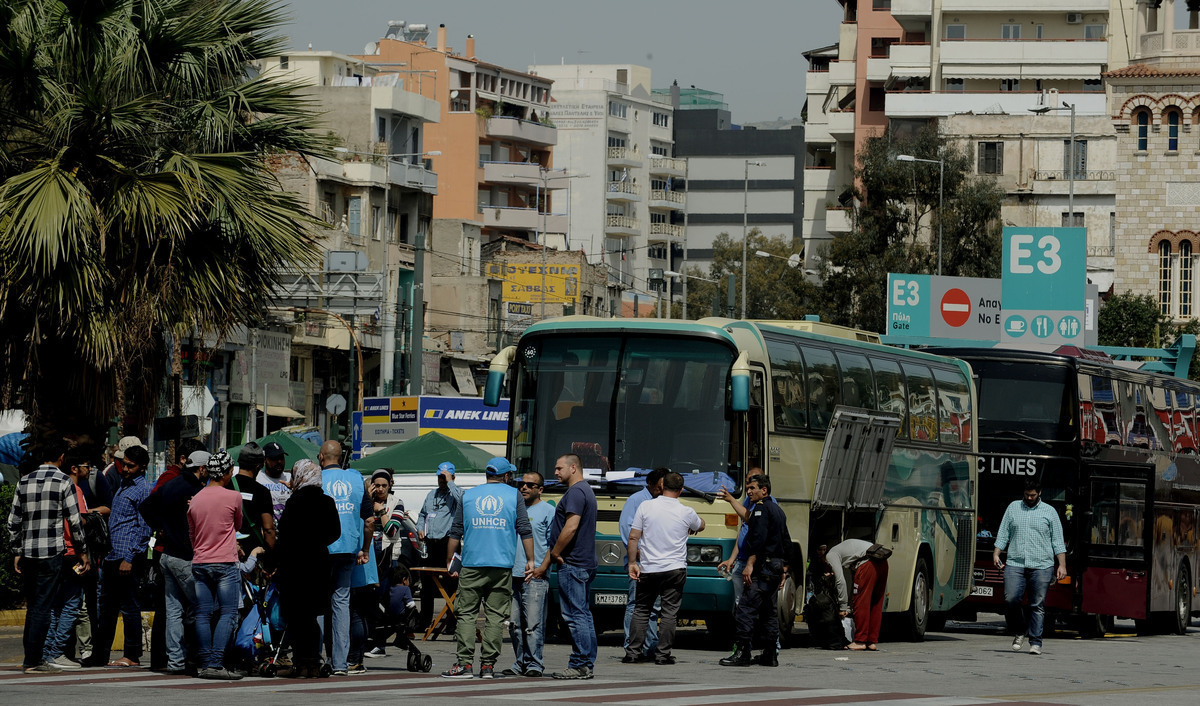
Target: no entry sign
(956,307)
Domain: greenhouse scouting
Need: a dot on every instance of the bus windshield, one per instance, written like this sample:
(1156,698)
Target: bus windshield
(1020,400)
(625,404)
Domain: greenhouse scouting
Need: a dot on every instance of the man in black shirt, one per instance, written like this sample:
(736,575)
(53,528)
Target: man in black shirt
(768,547)
(258,510)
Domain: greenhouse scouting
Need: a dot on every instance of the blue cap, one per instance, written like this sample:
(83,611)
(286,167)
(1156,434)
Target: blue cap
(446,466)
(498,466)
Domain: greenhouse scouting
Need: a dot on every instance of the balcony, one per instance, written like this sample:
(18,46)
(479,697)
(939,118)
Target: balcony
(904,10)
(1057,182)
(624,191)
(1185,42)
(929,104)
(524,173)
(624,157)
(819,178)
(621,226)
(816,83)
(394,99)
(1053,58)
(1010,7)
(910,60)
(665,231)
(841,124)
(668,166)
(521,130)
(662,198)
(402,174)
(879,68)
(841,73)
(512,218)
(837,220)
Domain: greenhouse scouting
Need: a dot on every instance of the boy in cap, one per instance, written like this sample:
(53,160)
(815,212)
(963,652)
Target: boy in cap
(433,527)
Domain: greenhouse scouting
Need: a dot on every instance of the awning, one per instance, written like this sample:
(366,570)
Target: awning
(1023,71)
(280,411)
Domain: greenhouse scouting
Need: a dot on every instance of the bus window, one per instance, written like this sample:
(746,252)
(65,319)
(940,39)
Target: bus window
(1118,512)
(1133,433)
(1158,413)
(824,387)
(891,392)
(922,403)
(858,389)
(787,386)
(1182,422)
(955,403)
(1089,425)
(1107,412)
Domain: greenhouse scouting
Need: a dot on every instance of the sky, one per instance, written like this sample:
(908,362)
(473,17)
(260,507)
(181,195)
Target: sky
(750,51)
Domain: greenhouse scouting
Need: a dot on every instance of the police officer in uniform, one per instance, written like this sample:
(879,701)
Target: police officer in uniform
(768,547)
(487,523)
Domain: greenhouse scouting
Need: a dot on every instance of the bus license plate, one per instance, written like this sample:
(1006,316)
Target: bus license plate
(610,598)
(981,591)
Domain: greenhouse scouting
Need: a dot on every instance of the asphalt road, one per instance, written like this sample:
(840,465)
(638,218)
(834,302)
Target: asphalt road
(966,664)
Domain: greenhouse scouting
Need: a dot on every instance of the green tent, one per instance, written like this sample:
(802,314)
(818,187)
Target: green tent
(424,453)
(295,448)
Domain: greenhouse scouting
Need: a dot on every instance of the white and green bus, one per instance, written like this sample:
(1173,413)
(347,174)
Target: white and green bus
(859,439)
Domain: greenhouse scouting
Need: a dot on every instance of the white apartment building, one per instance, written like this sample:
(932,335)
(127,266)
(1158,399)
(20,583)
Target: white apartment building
(616,147)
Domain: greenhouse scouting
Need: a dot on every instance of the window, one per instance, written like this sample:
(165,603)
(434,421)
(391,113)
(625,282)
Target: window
(1080,159)
(662,120)
(1010,31)
(1072,222)
(1185,279)
(956,32)
(1164,278)
(955,404)
(1038,31)
(824,387)
(991,157)
(1118,520)
(614,141)
(922,403)
(376,224)
(618,110)
(1143,130)
(881,4)
(876,98)
(283,62)
(954,84)
(1173,131)
(891,394)
(881,46)
(1093,31)
(1010,85)
(858,387)
(354,215)
(788,400)
(1093,85)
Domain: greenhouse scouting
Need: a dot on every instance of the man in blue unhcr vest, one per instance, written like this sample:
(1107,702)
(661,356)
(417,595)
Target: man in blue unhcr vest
(349,495)
(487,523)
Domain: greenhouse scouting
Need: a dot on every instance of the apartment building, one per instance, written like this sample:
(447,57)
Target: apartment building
(1007,83)
(1154,111)
(617,153)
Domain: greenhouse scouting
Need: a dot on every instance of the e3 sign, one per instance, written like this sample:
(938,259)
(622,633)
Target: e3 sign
(927,306)
(1044,278)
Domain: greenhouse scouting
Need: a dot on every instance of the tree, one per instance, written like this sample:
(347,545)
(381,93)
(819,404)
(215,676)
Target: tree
(774,291)
(1133,320)
(135,204)
(895,202)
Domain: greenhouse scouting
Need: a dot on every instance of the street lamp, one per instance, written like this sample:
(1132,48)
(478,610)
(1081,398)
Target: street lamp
(941,180)
(792,260)
(745,234)
(1042,110)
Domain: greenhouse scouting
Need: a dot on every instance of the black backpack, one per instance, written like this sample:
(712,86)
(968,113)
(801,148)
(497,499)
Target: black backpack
(95,536)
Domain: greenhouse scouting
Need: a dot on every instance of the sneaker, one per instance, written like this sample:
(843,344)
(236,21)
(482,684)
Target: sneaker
(458,671)
(1035,649)
(1016,646)
(356,669)
(64,662)
(486,671)
(218,673)
(84,655)
(43,668)
(574,673)
(533,673)
(668,660)
(376,652)
(510,672)
(341,672)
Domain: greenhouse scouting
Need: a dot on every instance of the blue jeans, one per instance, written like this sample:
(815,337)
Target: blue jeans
(39,582)
(573,583)
(1018,580)
(217,591)
(67,601)
(527,623)
(341,565)
(651,627)
(180,587)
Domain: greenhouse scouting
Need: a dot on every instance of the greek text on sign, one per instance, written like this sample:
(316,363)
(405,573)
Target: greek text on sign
(926,306)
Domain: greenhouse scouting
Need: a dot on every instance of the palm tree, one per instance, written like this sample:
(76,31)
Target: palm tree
(136,204)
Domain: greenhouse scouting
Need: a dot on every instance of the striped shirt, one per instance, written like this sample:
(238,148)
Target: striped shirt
(127,529)
(43,500)
(1032,535)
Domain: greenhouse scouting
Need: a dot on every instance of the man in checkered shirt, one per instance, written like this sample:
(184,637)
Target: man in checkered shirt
(43,500)
(1033,536)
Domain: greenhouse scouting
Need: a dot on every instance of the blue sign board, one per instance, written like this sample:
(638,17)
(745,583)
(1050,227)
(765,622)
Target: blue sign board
(356,438)
(908,305)
(1044,281)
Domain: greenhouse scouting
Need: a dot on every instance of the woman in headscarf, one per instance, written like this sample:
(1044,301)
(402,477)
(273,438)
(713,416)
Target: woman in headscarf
(308,525)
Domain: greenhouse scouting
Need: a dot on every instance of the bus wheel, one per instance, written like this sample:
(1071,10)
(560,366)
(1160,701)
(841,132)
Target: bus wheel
(787,610)
(916,619)
(937,622)
(1093,626)
(1183,602)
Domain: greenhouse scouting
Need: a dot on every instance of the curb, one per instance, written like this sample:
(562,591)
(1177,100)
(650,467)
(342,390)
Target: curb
(12,618)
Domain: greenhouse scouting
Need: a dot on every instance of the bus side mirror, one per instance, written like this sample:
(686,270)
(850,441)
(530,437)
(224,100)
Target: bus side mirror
(739,379)
(495,378)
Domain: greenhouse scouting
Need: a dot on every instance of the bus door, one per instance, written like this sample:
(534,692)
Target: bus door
(1116,578)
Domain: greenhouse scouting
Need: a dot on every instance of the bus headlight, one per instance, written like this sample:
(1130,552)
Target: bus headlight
(704,554)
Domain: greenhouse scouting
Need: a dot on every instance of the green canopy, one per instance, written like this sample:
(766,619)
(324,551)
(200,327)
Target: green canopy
(424,453)
(295,448)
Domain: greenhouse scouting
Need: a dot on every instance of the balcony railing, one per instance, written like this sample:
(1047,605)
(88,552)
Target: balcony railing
(666,229)
(1101,250)
(523,130)
(1080,175)
(624,154)
(663,195)
(668,165)
(624,224)
(617,189)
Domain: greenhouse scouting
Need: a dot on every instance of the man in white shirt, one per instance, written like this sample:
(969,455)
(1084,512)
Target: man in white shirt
(658,562)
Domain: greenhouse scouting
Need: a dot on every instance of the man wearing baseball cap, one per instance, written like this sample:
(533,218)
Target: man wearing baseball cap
(274,478)
(487,524)
(433,527)
(258,512)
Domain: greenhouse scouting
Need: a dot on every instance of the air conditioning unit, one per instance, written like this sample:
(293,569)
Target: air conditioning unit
(1074,18)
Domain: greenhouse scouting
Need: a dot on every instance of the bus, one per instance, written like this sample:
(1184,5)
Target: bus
(715,398)
(1115,450)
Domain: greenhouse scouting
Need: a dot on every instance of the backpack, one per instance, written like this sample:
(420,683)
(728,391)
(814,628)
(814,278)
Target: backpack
(95,535)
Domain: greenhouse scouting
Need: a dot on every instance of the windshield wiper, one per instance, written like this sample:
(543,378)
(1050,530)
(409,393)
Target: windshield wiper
(999,435)
(708,497)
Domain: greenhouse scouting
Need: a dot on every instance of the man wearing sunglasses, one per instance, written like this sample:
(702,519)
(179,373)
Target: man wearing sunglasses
(526,623)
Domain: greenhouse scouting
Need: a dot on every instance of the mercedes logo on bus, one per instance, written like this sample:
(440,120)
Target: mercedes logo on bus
(611,553)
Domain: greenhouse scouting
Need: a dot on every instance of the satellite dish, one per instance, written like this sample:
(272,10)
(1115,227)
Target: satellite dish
(371,48)
(454,94)
(794,260)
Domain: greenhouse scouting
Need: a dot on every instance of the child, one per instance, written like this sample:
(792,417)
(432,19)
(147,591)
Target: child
(399,610)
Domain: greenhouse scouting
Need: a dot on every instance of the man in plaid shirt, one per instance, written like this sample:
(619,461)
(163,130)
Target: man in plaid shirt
(1033,536)
(43,500)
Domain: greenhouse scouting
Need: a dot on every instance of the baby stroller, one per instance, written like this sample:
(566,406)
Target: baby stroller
(406,626)
(259,638)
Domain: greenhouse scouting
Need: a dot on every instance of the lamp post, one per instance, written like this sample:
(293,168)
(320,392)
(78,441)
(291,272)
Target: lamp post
(745,216)
(1042,110)
(792,260)
(685,277)
(941,180)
